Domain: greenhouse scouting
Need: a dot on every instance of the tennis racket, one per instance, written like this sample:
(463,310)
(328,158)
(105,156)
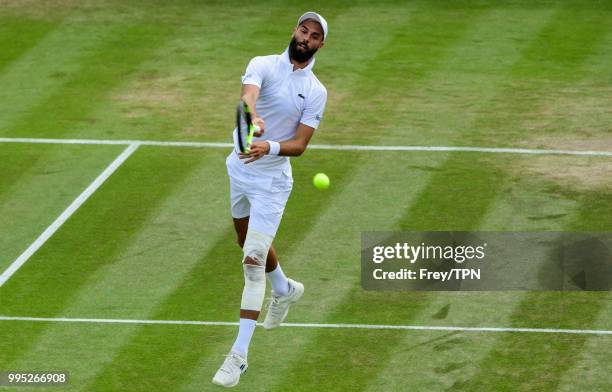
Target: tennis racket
(244,127)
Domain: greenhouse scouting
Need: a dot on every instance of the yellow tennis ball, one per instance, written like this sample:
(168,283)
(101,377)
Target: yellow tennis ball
(320,181)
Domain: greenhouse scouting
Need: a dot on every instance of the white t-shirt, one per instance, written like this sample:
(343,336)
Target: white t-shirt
(286,98)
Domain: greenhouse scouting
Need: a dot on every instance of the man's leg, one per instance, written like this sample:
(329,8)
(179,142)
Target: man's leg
(235,363)
(265,208)
(255,250)
(274,272)
(265,214)
(281,288)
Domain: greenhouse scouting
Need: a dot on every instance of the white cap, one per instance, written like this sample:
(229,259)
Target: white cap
(316,17)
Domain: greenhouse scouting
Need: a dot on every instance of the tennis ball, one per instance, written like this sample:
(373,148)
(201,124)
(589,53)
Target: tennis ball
(320,181)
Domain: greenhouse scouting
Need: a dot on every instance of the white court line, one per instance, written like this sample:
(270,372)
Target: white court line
(310,325)
(340,147)
(116,142)
(110,169)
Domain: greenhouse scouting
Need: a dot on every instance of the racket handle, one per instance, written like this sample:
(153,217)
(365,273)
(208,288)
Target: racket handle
(249,141)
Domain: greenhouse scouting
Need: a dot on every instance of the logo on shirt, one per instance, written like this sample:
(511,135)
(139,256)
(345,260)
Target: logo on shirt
(318,117)
(301,96)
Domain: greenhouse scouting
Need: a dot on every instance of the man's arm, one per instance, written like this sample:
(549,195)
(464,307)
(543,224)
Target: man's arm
(294,147)
(249,95)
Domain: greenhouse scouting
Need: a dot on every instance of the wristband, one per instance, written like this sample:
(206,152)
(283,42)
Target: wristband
(274,147)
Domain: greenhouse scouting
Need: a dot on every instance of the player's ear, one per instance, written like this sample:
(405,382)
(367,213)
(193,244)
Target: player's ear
(321,44)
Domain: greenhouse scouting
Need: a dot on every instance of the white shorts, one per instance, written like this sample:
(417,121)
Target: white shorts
(258,196)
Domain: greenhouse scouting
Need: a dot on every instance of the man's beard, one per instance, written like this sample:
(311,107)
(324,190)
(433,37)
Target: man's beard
(297,55)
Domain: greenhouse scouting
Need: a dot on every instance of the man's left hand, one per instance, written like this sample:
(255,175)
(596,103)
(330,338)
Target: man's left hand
(257,150)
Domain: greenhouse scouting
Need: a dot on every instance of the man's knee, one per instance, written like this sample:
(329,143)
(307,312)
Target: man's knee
(254,287)
(255,247)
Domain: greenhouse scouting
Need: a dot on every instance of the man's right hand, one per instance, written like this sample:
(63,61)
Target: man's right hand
(258,121)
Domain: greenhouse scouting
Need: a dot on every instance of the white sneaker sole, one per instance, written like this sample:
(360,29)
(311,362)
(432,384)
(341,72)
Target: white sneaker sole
(217,382)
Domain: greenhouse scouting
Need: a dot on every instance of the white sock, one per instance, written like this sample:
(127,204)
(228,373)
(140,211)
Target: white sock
(245,333)
(279,281)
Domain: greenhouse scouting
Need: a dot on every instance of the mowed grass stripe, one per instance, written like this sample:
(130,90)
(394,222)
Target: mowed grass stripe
(68,212)
(90,61)
(593,360)
(462,192)
(553,207)
(31,204)
(184,226)
(452,359)
(552,309)
(188,88)
(86,343)
(38,74)
(212,289)
(119,55)
(103,225)
(328,264)
(458,95)
(95,235)
(559,58)
(173,96)
(454,183)
(36,198)
(79,64)
(459,194)
(342,70)
(19,36)
(455,211)
(544,361)
(587,101)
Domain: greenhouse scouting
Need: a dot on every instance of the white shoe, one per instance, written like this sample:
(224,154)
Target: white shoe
(229,373)
(279,305)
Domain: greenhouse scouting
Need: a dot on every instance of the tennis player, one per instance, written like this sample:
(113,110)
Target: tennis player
(286,101)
